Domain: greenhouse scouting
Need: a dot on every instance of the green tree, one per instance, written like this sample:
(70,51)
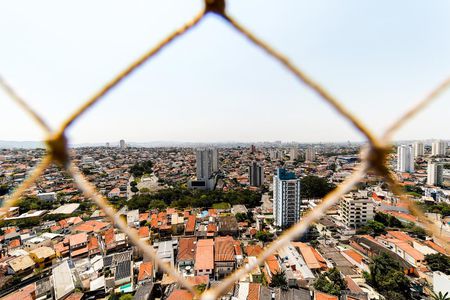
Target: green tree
(134,189)
(387,277)
(438,262)
(440,296)
(314,187)
(126,297)
(157,204)
(374,228)
(331,282)
(263,236)
(279,280)
(141,168)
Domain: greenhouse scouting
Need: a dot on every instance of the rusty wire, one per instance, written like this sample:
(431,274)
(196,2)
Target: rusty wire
(373,157)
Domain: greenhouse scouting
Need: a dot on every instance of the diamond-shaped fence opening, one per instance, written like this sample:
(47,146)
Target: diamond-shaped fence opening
(373,156)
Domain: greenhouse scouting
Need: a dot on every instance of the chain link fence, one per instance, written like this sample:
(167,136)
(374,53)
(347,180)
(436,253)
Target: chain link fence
(373,156)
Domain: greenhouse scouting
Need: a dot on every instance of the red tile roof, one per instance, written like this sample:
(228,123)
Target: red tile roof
(180,295)
(224,249)
(358,258)
(145,271)
(186,249)
(322,296)
(144,232)
(204,256)
(190,225)
(253,250)
(253,291)
(77,239)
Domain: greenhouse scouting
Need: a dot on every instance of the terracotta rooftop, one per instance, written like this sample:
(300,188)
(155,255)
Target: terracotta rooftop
(204,256)
(224,249)
(77,239)
(186,249)
(180,295)
(145,271)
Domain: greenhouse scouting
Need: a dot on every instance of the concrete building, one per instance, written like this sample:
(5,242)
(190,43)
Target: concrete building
(293,153)
(438,148)
(122,144)
(207,165)
(310,154)
(356,209)
(256,174)
(286,202)
(405,159)
(434,173)
(418,149)
(47,197)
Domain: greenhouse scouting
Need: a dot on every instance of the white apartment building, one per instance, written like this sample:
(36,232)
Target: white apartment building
(207,165)
(438,148)
(418,149)
(310,154)
(286,198)
(356,209)
(405,159)
(434,173)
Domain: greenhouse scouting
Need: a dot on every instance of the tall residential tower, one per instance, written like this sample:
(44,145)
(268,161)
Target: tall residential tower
(256,174)
(286,198)
(405,159)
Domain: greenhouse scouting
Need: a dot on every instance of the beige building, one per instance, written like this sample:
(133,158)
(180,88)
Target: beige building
(356,209)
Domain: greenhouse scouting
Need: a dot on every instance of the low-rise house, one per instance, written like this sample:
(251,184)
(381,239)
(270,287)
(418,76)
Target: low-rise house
(180,295)
(186,255)
(43,256)
(146,273)
(190,225)
(204,258)
(78,245)
(63,282)
(21,265)
(224,260)
(228,225)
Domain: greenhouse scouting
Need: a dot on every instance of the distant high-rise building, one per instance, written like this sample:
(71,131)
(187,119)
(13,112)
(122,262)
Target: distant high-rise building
(434,173)
(418,149)
(286,198)
(256,174)
(405,159)
(293,153)
(310,154)
(275,154)
(252,149)
(207,165)
(122,144)
(107,145)
(438,148)
(356,209)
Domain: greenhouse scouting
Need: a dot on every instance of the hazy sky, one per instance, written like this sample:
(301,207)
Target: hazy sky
(378,57)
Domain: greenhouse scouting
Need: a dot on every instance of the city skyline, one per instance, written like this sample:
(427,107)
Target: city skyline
(385,61)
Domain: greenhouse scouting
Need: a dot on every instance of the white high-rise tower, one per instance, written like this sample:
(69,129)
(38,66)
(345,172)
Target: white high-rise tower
(286,198)
(434,173)
(438,148)
(405,159)
(418,149)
